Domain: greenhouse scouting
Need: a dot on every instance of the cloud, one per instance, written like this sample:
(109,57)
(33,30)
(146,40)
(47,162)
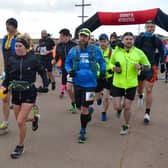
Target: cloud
(38,5)
(34,15)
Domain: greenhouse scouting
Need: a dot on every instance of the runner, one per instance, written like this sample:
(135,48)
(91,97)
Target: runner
(107,81)
(8,49)
(46,45)
(81,64)
(152,46)
(61,52)
(114,40)
(127,61)
(21,75)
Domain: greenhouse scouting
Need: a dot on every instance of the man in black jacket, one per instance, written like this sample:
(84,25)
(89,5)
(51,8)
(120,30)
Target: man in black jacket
(152,46)
(62,50)
(46,45)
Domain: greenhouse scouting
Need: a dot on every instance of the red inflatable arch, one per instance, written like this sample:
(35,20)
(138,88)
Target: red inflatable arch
(125,18)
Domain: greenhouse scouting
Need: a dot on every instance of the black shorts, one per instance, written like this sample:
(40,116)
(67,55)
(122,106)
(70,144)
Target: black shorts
(80,96)
(127,93)
(46,62)
(145,75)
(103,84)
(24,97)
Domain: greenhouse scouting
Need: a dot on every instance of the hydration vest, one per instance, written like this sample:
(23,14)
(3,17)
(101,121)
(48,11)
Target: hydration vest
(92,61)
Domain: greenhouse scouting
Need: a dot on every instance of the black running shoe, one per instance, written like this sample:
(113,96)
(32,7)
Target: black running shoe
(35,122)
(82,138)
(19,150)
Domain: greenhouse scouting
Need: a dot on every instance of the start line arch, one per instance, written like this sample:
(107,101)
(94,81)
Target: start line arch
(125,18)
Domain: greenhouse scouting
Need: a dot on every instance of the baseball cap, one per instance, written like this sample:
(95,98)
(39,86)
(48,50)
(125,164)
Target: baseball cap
(65,32)
(85,31)
(103,36)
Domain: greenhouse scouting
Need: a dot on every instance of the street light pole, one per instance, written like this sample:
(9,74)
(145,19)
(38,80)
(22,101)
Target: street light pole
(82,5)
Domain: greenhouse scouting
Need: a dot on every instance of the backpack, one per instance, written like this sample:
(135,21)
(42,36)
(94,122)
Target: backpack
(92,61)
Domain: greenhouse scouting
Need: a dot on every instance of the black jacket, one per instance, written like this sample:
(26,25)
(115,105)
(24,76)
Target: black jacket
(63,49)
(24,68)
(152,47)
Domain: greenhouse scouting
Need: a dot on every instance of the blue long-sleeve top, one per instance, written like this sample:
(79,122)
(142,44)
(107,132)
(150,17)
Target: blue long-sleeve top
(85,77)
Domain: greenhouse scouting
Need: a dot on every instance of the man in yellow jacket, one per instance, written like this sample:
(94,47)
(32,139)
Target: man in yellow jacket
(127,61)
(104,85)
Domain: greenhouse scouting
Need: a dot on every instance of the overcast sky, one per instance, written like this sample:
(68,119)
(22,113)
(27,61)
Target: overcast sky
(52,15)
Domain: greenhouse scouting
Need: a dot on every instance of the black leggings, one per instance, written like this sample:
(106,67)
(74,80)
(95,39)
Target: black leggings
(64,76)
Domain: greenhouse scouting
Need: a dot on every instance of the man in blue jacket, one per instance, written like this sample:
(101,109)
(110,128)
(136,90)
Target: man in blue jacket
(81,64)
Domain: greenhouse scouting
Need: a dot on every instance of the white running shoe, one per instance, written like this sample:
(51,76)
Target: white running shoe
(146,118)
(124,130)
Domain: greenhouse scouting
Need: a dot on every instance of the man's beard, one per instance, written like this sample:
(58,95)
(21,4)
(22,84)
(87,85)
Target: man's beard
(83,46)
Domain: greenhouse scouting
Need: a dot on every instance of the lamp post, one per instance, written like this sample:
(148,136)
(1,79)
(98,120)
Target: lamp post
(82,5)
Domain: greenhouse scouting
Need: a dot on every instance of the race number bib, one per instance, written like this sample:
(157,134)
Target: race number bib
(43,50)
(69,79)
(90,96)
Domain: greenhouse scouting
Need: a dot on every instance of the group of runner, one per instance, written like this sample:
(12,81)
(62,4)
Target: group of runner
(91,72)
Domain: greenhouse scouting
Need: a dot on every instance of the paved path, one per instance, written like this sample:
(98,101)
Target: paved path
(55,145)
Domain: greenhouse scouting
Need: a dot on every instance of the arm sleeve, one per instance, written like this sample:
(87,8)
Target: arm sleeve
(69,60)
(144,60)
(42,72)
(112,60)
(58,52)
(161,51)
(137,42)
(6,81)
(100,60)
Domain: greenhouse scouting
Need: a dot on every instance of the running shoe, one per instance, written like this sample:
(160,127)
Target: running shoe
(82,138)
(124,130)
(3,128)
(73,108)
(103,116)
(146,118)
(61,95)
(19,150)
(35,122)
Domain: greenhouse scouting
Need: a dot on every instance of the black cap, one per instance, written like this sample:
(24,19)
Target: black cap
(103,36)
(13,22)
(65,32)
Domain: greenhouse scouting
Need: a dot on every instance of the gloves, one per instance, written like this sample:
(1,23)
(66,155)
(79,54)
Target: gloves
(110,71)
(145,68)
(117,67)
(72,73)
(5,91)
(102,75)
(162,67)
(42,89)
